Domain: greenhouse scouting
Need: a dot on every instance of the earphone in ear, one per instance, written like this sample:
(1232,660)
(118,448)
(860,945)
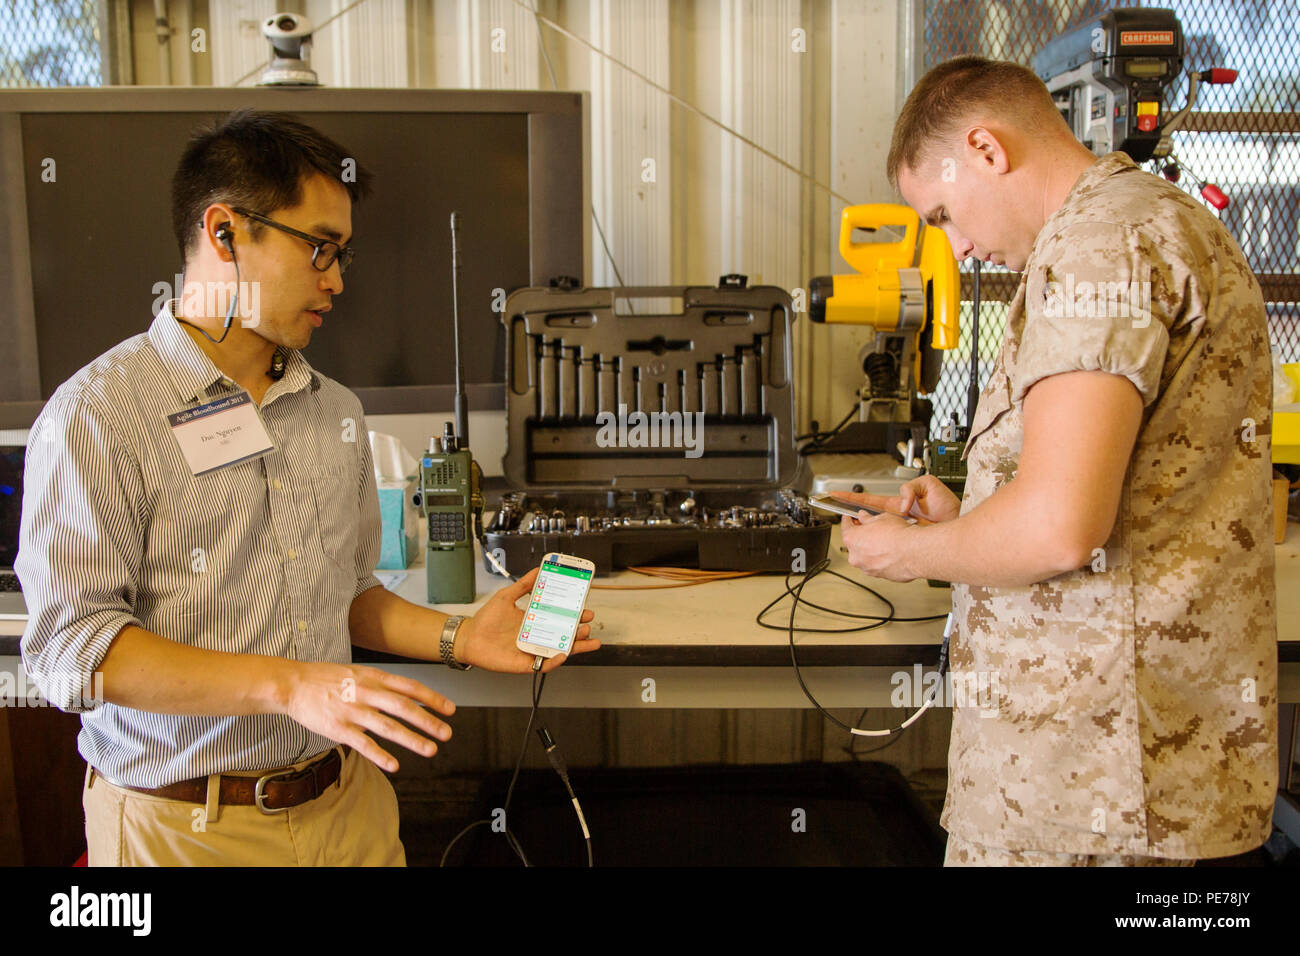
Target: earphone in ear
(226,237)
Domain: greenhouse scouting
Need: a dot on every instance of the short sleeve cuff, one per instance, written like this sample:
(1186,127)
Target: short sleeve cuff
(1098,302)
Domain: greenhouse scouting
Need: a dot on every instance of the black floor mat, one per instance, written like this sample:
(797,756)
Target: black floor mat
(860,814)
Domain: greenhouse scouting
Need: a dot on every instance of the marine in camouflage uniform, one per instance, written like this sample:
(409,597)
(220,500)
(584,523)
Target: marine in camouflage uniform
(1137,697)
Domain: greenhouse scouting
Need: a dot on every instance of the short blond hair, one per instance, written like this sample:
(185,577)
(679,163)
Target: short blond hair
(961,89)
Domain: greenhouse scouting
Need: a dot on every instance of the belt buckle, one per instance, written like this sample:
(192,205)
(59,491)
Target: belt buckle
(259,794)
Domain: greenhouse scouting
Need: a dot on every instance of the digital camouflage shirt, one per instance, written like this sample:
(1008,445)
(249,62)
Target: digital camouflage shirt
(1130,706)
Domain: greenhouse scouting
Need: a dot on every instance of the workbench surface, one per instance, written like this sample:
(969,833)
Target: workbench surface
(705,641)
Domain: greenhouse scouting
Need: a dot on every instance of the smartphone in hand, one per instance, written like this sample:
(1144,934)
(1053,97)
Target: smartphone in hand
(827,502)
(555,606)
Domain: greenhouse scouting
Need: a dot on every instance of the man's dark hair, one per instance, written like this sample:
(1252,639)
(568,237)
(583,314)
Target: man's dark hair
(257,160)
(962,89)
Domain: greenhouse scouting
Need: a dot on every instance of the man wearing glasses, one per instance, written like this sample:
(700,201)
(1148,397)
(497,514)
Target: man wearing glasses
(217,593)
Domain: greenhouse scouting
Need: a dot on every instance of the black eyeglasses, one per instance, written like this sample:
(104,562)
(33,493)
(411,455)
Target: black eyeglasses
(325,251)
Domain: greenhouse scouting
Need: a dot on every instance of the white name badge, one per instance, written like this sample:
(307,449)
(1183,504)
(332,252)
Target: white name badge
(221,433)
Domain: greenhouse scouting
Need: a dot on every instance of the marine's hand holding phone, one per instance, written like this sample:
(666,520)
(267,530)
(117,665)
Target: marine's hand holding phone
(853,505)
(492,639)
(878,534)
(925,498)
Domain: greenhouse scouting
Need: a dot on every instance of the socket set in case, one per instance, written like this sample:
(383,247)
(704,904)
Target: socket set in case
(643,438)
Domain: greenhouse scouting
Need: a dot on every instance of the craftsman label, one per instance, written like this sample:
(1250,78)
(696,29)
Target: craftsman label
(1146,38)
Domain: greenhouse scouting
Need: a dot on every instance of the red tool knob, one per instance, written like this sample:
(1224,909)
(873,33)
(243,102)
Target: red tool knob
(1214,196)
(1219,75)
(1171,172)
(1147,123)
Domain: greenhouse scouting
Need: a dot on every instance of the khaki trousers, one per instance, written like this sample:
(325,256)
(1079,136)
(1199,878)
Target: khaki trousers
(962,853)
(353,823)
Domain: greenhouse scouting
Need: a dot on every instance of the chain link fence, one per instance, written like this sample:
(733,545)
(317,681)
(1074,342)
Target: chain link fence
(50,43)
(1245,138)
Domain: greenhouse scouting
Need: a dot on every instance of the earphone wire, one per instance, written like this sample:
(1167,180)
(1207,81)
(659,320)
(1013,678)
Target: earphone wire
(234,300)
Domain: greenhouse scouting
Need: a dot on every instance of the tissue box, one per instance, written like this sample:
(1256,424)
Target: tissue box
(396,511)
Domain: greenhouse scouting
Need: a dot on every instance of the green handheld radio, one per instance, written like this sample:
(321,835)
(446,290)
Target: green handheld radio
(945,463)
(449,492)
(450,497)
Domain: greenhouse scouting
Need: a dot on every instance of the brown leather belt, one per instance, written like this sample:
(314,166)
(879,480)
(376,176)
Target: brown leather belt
(272,792)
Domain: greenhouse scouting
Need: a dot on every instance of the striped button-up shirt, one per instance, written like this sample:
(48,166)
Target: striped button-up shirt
(263,557)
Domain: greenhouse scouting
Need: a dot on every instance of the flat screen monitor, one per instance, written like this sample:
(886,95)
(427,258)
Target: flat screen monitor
(11,501)
(87,251)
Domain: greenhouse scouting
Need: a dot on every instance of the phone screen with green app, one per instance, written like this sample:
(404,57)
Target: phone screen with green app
(555,605)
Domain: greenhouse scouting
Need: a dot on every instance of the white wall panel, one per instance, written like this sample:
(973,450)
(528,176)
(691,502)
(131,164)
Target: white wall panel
(631,149)
(364,47)
(236,40)
(498,46)
(760,75)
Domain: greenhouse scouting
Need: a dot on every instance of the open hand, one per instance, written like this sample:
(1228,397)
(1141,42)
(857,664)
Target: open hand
(343,701)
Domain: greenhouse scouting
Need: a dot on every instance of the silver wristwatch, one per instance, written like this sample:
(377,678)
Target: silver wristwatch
(447,644)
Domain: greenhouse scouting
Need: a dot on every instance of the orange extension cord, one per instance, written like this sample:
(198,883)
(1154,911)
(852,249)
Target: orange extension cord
(682,578)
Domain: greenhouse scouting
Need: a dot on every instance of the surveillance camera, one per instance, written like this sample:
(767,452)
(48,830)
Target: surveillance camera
(290,38)
(287,33)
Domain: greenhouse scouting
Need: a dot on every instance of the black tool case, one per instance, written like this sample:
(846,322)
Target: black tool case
(654,439)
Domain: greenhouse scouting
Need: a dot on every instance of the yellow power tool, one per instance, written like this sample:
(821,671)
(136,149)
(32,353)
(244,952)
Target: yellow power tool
(910,291)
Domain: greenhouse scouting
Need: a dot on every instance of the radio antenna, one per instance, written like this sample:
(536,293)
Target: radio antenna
(462,410)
